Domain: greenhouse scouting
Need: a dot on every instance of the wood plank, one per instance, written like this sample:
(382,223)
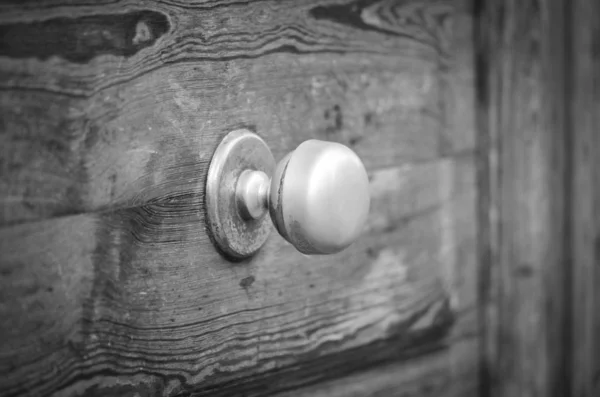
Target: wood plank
(115,105)
(395,69)
(584,108)
(138,299)
(523,184)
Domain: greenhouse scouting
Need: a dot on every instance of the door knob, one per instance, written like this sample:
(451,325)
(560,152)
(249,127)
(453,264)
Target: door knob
(317,196)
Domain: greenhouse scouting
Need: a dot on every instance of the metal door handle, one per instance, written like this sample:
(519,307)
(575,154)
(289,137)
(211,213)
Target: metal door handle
(317,195)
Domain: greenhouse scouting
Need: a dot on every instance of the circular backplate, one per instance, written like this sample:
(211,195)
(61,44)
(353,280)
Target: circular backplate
(236,237)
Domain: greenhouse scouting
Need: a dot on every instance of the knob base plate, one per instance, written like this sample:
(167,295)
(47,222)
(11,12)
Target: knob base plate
(236,237)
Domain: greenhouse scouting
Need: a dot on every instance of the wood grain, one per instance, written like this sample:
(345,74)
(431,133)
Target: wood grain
(584,106)
(523,185)
(114,105)
(138,299)
(109,113)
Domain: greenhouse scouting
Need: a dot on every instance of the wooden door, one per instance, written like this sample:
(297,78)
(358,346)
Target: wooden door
(109,282)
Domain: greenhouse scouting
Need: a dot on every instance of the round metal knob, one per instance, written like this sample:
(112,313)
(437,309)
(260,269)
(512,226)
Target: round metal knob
(317,197)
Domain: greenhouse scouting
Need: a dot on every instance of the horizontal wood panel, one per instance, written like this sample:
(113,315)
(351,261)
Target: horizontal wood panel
(138,299)
(127,106)
(133,298)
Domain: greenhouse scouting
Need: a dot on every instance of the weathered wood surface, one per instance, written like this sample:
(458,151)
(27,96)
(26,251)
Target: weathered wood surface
(524,210)
(108,281)
(113,105)
(584,107)
(141,293)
